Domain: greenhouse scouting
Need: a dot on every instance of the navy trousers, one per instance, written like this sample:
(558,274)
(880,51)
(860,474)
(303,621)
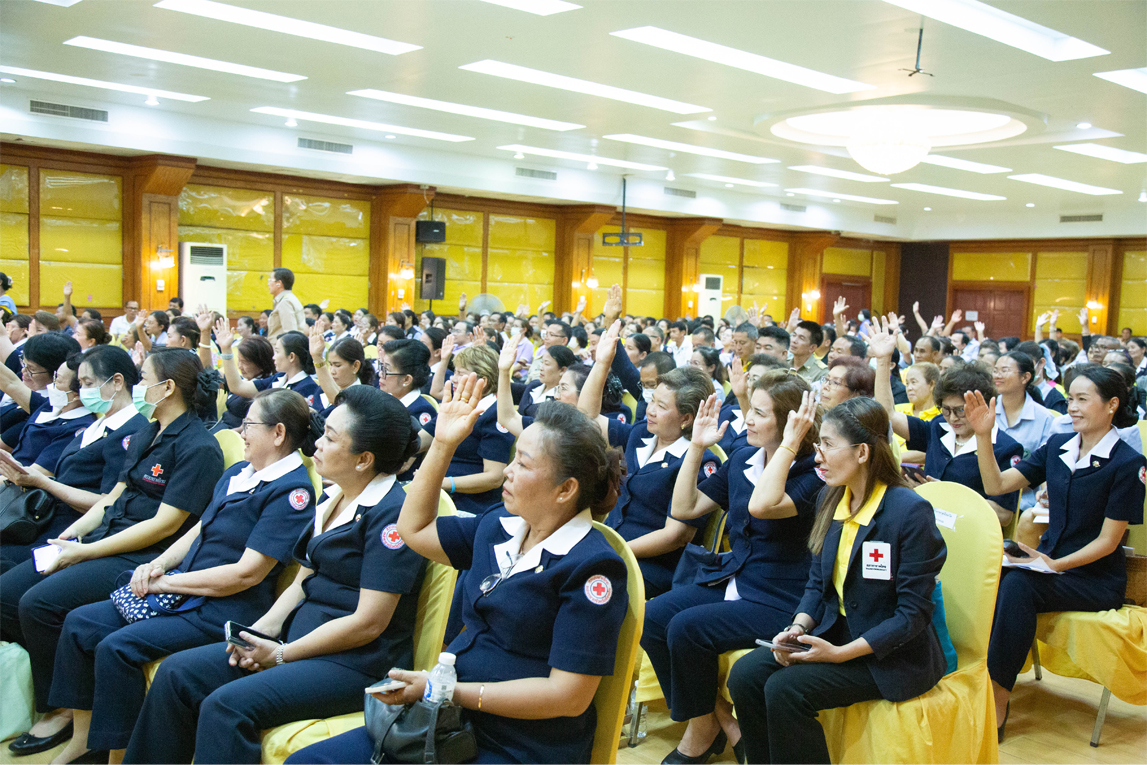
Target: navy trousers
(686,631)
(100,661)
(200,706)
(13,555)
(1023,595)
(355,746)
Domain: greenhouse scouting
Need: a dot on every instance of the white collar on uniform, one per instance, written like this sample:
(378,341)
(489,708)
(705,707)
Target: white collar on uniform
(248,478)
(646,453)
(434,368)
(112,422)
(738,423)
(370,496)
(323,396)
(1072,458)
(410,397)
(24,340)
(537,395)
(756,466)
(53,415)
(283,382)
(487,402)
(560,542)
(948,440)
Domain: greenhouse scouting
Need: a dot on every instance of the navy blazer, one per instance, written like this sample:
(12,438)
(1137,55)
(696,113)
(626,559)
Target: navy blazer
(965,469)
(893,615)
(737,434)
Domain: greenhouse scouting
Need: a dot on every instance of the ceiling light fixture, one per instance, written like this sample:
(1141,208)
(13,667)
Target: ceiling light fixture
(152,101)
(739,59)
(1136,79)
(927,209)
(1105,152)
(70,80)
(1084,126)
(1040,179)
(964,164)
(575,157)
(849,197)
(711,118)
(60,3)
(888,151)
(657,143)
(183,59)
(1030,204)
(287,25)
(925,188)
(7,80)
(464,110)
(536,7)
(1143,196)
(550,80)
(389,137)
(328,119)
(591,166)
(519,155)
(734,181)
(291,122)
(670,176)
(845,174)
(1009,29)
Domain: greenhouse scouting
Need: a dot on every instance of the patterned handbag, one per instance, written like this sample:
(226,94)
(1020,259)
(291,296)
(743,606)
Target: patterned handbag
(134,608)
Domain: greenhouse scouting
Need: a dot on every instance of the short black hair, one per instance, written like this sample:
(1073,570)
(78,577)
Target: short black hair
(829,332)
(746,328)
(679,325)
(286,276)
(186,327)
(659,359)
(815,333)
(61,305)
(856,346)
(178,301)
(641,340)
(314,308)
(776,333)
(705,333)
(50,349)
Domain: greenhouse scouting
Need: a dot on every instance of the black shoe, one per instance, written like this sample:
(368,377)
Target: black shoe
(28,744)
(1000,730)
(676,758)
(739,751)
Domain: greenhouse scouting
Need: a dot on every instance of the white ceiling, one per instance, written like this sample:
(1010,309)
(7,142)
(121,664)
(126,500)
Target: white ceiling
(865,40)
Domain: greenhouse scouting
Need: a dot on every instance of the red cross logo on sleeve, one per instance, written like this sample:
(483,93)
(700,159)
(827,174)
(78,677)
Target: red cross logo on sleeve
(875,555)
(598,590)
(157,471)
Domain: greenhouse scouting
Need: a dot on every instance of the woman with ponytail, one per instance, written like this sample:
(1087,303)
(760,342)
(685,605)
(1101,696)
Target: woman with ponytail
(337,368)
(351,622)
(1019,407)
(293,364)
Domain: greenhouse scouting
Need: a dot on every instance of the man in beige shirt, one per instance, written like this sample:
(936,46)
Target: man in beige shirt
(287,313)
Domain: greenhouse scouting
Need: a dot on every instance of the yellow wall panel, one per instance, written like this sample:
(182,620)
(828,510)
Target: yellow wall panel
(247,290)
(18,271)
(991,266)
(1135,267)
(454,289)
(841,260)
(518,266)
(759,281)
(462,262)
(462,227)
(220,207)
(645,302)
(878,267)
(320,216)
(1133,294)
(522,233)
(1063,294)
(97,284)
(721,250)
(80,195)
(1136,318)
(81,240)
(13,189)
(306,254)
(341,291)
(1061,265)
(646,274)
(246,250)
(607,271)
(762,253)
(13,236)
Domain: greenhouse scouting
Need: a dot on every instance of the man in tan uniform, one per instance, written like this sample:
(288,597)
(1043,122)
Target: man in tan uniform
(287,313)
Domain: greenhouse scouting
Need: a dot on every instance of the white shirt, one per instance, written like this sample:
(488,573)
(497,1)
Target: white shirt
(120,326)
(112,422)
(537,395)
(487,402)
(410,397)
(1072,458)
(283,382)
(508,554)
(1062,424)
(948,440)
(248,478)
(681,354)
(370,496)
(650,453)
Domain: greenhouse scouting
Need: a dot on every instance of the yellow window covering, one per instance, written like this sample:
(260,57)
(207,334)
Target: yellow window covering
(14,229)
(764,279)
(1060,285)
(991,266)
(81,237)
(1133,293)
(520,260)
(325,241)
(721,255)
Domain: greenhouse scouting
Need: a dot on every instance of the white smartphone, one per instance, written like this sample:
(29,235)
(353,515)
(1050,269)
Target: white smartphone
(45,556)
(389,685)
(790,647)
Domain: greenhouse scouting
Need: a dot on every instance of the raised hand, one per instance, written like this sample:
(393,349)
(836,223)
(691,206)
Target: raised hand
(799,423)
(447,346)
(67,289)
(462,302)
(794,318)
(839,306)
(459,410)
(543,306)
(478,336)
(607,346)
(916,308)
(980,327)
(738,379)
(1083,317)
(882,340)
(894,322)
(707,427)
(937,322)
(138,354)
(509,354)
(1054,317)
(581,303)
(204,319)
(612,307)
(957,315)
(223,335)
(318,344)
(980,414)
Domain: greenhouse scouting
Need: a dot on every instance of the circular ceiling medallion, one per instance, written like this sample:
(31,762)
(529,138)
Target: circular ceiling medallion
(938,126)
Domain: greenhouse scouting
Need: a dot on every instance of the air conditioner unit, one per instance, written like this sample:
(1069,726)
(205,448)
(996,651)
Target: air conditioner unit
(712,286)
(203,276)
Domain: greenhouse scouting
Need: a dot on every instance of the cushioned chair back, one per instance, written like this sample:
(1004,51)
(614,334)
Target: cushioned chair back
(630,403)
(1010,530)
(433,604)
(971,573)
(717,450)
(728,388)
(232,445)
(613,692)
(286,576)
(316,479)
(431,400)
(714,528)
(221,403)
(1137,535)
(370,351)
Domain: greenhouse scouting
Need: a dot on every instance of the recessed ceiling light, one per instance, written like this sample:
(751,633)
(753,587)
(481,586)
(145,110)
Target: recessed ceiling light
(1136,79)
(964,164)
(69,79)
(1030,204)
(927,209)
(7,80)
(519,155)
(845,174)
(838,197)
(465,110)
(574,156)
(728,185)
(1105,152)
(686,148)
(1143,196)
(286,25)
(924,187)
(987,21)
(670,176)
(591,166)
(732,181)
(183,59)
(363,124)
(739,59)
(389,137)
(1084,126)
(836,200)
(790,194)
(152,101)
(712,118)
(61,3)
(291,122)
(551,80)
(1060,183)
(536,7)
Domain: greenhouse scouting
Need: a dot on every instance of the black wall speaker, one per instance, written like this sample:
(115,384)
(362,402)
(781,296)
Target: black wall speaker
(433,279)
(430,231)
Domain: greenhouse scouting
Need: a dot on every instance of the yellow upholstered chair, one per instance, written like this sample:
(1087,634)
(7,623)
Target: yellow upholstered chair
(717,450)
(232,445)
(431,400)
(316,479)
(370,351)
(1137,535)
(728,388)
(429,629)
(630,403)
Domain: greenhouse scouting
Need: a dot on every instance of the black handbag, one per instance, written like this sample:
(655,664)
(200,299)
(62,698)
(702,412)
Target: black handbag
(422,732)
(697,559)
(25,514)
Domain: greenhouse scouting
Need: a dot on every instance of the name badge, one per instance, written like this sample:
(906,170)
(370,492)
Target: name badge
(877,560)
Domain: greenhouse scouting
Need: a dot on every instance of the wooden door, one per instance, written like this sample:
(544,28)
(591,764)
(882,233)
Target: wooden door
(1002,310)
(856,292)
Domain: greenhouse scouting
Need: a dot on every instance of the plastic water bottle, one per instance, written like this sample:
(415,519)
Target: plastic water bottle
(440,685)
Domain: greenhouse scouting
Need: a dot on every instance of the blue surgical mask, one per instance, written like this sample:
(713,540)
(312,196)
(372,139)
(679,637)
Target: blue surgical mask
(138,397)
(93,400)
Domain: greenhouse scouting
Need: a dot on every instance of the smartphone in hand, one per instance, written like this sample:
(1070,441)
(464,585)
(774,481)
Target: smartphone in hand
(790,647)
(1012,549)
(231,632)
(45,556)
(387,685)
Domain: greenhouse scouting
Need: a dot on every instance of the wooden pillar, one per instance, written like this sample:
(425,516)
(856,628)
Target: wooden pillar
(891,277)
(805,256)
(1101,286)
(392,217)
(154,183)
(683,263)
(573,254)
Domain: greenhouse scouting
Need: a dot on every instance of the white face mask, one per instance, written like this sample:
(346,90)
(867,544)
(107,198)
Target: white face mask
(57,398)
(647,395)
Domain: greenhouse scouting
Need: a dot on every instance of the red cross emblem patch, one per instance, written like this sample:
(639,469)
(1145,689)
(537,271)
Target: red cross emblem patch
(598,589)
(1143,476)
(424,418)
(1015,460)
(156,470)
(126,441)
(621,416)
(391,538)
(710,468)
(501,429)
(311,400)
(299,499)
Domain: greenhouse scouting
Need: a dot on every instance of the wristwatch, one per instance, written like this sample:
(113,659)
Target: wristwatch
(279,654)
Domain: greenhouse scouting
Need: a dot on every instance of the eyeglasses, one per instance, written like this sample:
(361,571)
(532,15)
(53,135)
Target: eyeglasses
(488,584)
(828,382)
(33,373)
(248,423)
(822,449)
(384,370)
(950,412)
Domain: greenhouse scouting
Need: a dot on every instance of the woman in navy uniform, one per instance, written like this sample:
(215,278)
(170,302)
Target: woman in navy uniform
(866,614)
(337,368)
(555,361)
(948,441)
(232,557)
(527,681)
(654,450)
(403,368)
(255,357)
(475,474)
(1094,490)
(742,382)
(24,395)
(346,619)
(90,465)
(292,362)
(169,471)
(770,491)
(54,426)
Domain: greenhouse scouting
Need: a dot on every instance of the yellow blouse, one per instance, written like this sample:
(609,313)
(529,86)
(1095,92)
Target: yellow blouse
(848,533)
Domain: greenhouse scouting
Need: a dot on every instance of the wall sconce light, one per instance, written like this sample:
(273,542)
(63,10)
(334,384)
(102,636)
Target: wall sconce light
(697,287)
(591,282)
(1094,305)
(163,257)
(406,271)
